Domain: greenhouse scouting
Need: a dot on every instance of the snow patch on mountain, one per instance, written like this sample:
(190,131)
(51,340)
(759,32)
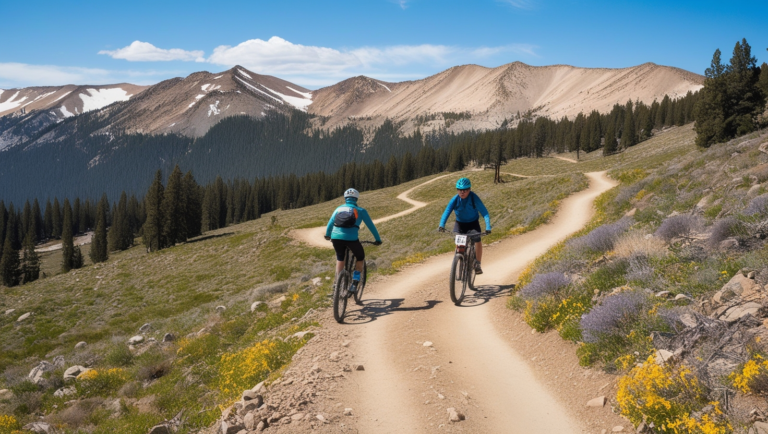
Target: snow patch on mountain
(214,109)
(39,97)
(216,78)
(98,98)
(244,74)
(299,103)
(385,87)
(307,95)
(11,104)
(259,90)
(65,112)
(205,87)
(199,96)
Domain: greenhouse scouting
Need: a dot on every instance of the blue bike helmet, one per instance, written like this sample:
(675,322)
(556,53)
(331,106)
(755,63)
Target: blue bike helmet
(463,184)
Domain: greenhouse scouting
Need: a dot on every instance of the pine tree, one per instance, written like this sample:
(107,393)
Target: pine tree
(38,221)
(77,258)
(99,247)
(763,82)
(120,235)
(48,220)
(67,240)
(30,268)
(56,223)
(174,209)
(193,211)
(628,134)
(153,226)
(9,265)
(610,145)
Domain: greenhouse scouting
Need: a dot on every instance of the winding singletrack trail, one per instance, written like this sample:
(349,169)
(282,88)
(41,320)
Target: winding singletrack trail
(471,363)
(315,237)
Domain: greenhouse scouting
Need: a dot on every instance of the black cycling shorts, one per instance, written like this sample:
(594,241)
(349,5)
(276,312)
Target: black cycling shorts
(465,228)
(341,247)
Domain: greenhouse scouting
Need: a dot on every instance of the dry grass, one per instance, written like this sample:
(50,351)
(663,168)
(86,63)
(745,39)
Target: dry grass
(636,243)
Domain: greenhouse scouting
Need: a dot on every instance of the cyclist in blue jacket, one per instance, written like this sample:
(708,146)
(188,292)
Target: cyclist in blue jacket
(342,230)
(468,208)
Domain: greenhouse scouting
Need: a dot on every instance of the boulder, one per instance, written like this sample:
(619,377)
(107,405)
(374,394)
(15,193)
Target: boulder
(663,356)
(221,308)
(231,427)
(734,288)
(597,402)
(59,361)
(299,335)
(38,428)
(169,337)
(36,374)
(23,317)
(276,303)
(255,305)
(753,190)
(73,371)
(737,312)
(249,421)
(297,417)
(347,412)
(729,243)
(136,340)
(145,328)
(759,428)
(317,281)
(10,311)
(5,394)
(683,297)
(81,345)
(259,388)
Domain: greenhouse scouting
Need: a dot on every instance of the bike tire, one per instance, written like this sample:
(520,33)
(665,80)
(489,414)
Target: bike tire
(457,273)
(471,274)
(361,285)
(339,296)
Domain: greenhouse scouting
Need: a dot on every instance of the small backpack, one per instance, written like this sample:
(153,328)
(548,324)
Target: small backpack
(346,218)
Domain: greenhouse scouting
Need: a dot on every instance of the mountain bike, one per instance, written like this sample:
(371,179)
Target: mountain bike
(343,282)
(463,266)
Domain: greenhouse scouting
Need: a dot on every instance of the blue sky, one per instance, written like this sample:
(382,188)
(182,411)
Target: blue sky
(317,43)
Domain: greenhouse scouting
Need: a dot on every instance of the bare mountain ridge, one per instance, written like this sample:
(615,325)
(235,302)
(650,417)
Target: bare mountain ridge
(67,100)
(192,105)
(494,94)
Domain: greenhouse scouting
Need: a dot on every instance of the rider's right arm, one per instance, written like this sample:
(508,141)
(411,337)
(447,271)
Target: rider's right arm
(448,209)
(329,226)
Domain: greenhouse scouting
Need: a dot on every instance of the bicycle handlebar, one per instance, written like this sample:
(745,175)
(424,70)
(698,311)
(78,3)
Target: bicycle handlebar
(479,234)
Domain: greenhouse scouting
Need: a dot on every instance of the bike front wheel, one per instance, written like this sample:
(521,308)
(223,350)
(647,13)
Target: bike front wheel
(361,285)
(457,274)
(340,296)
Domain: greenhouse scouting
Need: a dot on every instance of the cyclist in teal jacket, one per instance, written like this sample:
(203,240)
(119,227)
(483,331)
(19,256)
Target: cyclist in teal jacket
(342,230)
(468,208)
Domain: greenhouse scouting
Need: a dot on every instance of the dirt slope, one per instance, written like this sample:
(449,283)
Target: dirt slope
(493,94)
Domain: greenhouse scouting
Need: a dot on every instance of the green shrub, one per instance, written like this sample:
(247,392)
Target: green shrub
(119,356)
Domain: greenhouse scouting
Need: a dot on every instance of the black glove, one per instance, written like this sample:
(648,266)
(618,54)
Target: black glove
(327,237)
(441,229)
(377,243)
(488,232)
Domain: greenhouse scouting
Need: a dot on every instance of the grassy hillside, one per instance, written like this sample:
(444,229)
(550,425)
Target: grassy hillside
(201,292)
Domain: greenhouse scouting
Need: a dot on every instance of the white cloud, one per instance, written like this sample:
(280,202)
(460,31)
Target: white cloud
(280,56)
(145,52)
(277,56)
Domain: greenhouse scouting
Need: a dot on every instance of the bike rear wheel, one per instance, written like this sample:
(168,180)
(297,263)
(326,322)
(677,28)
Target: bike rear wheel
(471,273)
(361,285)
(340,296)
(457,274)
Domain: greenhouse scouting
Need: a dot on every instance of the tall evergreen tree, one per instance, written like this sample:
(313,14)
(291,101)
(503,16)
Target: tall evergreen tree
(628,134)
(153,226)
(610,146)
(30,267)
(763,82)
(38,221)
(48,219)
(56,227)
(9,265)
(174,209)
(99,246)
(67,239)
(193,212)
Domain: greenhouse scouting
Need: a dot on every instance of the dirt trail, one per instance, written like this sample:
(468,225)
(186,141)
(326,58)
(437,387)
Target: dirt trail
(571,160)
(315,236)
(470,365)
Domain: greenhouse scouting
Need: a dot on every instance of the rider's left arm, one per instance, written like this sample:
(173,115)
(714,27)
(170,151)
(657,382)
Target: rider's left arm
(329,226)
(483,212)
(369,224)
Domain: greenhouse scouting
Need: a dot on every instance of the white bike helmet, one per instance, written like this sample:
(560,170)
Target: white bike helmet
(352,193)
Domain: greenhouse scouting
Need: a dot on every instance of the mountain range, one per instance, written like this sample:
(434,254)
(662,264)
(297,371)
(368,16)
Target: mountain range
(74,130)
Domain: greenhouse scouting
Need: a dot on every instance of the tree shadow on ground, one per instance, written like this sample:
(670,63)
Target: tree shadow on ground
(486,293)
(209,237)
(373,309)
